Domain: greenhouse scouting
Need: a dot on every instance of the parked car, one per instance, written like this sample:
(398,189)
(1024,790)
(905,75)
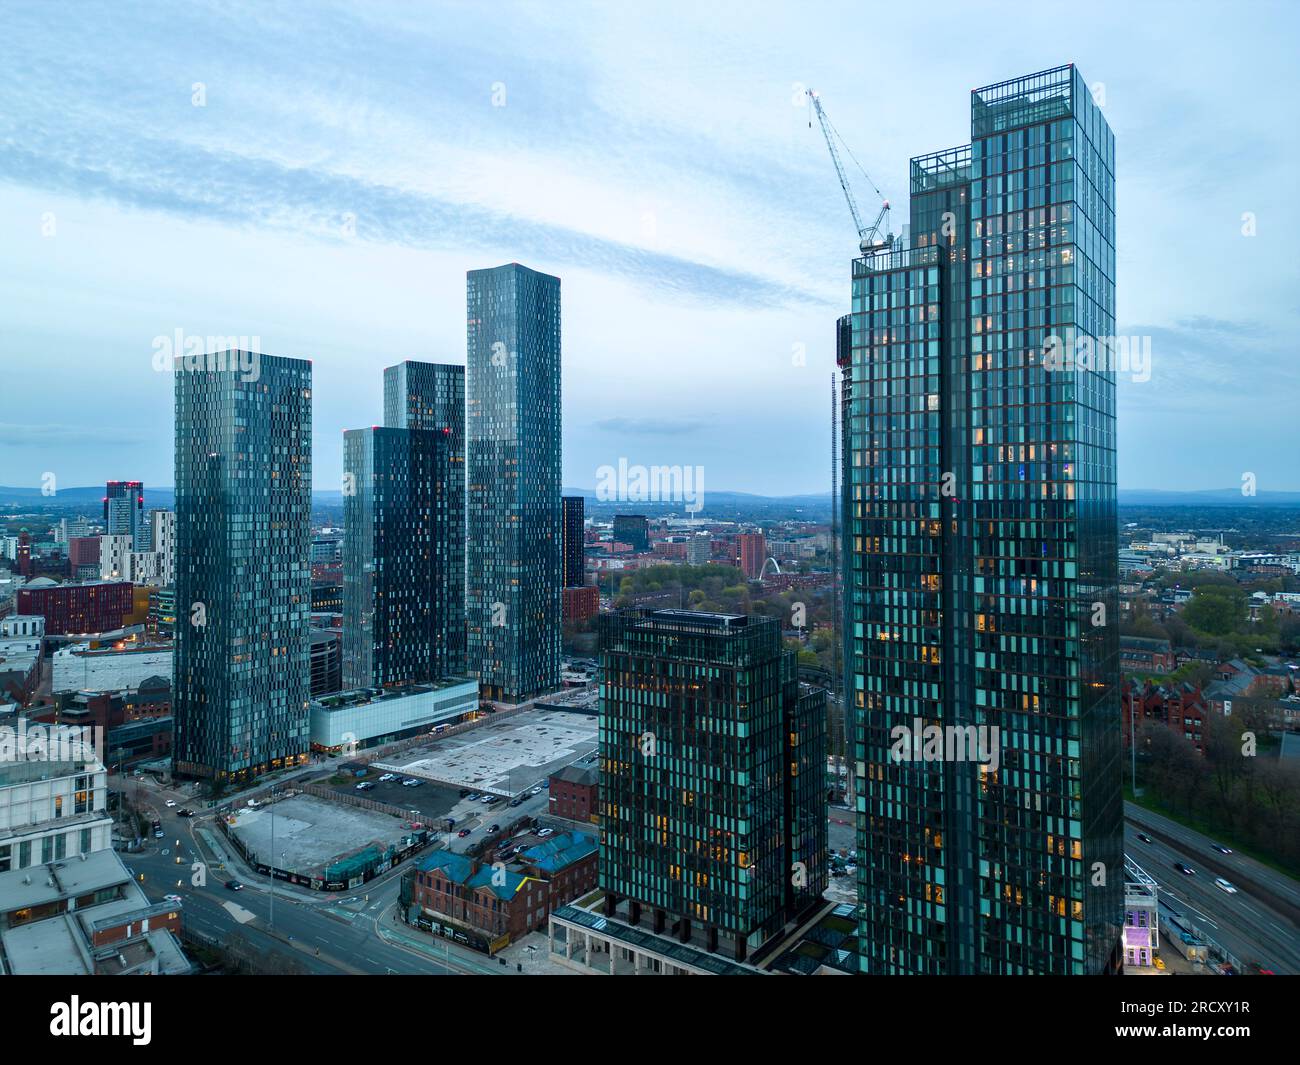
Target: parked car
(1222,849)
(411,782)
(365,785)
(253,804)
(1186,870)
(536,791)
(542,833)
(1225,885)
(234,885)
(387,777)
(515,802)
(494,828)
(465,793)
(473,796)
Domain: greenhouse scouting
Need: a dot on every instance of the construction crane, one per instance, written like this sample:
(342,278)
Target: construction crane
(869,238)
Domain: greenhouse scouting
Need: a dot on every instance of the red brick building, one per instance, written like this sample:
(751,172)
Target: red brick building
(1182,707)
(753,552)
(487,906)
(573,793)
(92,606)
(580,602)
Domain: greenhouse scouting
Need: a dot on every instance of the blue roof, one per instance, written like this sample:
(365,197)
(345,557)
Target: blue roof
(560,852)
(460,870)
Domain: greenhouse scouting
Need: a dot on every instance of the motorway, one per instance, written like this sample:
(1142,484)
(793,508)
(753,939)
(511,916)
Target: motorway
(1245,924)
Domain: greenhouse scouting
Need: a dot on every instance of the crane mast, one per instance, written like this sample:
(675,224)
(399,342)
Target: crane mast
(869,238)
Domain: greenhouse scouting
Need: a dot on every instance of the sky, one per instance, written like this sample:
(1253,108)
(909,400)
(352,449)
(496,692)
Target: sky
(321,176)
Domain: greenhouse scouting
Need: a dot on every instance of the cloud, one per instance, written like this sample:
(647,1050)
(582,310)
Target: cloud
(650,426)
(12,435)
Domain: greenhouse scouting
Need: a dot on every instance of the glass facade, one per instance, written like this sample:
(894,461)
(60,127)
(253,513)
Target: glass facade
(981,545)
(712,794)
(398,568)
(243,580)
(513,571)
(573,542)
(431,395)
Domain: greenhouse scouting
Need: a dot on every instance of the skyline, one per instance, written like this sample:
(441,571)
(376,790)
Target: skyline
(678,190)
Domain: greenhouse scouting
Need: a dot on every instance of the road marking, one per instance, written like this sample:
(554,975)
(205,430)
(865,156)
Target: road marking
(240,914)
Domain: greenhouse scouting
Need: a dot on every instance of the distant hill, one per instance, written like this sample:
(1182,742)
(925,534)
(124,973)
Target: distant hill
(91,497)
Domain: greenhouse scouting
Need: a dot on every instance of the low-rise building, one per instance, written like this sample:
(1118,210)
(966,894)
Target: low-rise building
(85,916)
(367,717)
(573,793)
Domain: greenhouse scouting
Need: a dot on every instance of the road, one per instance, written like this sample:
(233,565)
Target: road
(354,934)
(1244,924)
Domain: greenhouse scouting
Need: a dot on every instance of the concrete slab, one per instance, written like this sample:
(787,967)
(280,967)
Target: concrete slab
(503,758)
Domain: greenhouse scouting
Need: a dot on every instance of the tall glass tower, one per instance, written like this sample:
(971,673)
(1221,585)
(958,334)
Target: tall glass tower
(513,572)
(980,547)
(713,777)
(243,577)
(398,574)
(431,395)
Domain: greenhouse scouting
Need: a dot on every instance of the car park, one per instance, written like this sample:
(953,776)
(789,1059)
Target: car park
(1225,885)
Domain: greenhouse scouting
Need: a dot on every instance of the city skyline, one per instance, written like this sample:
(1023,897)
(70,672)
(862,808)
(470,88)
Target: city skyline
(693,285)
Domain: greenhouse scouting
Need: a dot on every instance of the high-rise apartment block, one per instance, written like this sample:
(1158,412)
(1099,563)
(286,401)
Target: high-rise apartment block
(573,541)
(124,512)
(431,396)
(980,548)
(713,767)
(243,580)
(513,572)
(399,569)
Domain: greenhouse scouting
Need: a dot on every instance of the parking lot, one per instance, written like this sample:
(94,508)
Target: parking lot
(433,803)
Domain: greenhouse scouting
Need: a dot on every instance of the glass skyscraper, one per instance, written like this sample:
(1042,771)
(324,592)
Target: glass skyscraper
(431,395)
(399,572)
(573,542)
(713,776)
(124,512)
(513,571)
(243,579)
(980,545)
